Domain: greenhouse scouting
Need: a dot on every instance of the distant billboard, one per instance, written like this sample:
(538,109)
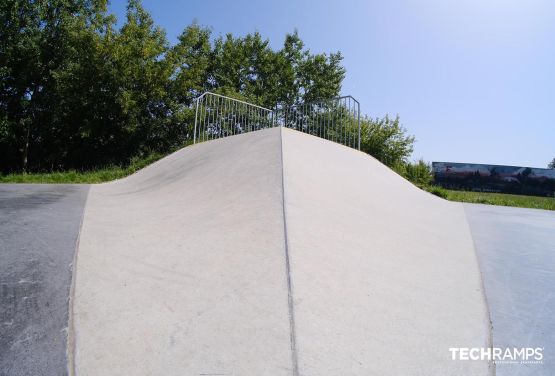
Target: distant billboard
(495,178)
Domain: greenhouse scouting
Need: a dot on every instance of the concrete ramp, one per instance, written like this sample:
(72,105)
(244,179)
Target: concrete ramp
(385,277)
(181,267)
(273,253)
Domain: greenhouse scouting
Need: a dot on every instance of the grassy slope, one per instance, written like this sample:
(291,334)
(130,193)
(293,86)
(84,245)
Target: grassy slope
(82,177)
(116,172)
(547,203)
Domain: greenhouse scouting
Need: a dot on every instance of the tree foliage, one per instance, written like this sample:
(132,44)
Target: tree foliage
(418,172)
(551,164)
(386,139)
(76,92)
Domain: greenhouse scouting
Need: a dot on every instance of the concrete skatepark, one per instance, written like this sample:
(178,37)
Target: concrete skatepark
(268,253)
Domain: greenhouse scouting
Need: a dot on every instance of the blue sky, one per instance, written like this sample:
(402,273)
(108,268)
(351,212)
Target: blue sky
(473,80)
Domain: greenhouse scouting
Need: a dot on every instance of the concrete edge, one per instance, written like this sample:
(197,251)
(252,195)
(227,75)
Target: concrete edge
(491,364)
(71,341)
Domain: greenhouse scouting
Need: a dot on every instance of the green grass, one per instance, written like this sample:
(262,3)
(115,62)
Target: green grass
(546,203)
(99,175)
(82,177)
(117,172)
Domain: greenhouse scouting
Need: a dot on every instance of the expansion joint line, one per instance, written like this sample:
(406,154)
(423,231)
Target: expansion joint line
(71,345)
(292,335)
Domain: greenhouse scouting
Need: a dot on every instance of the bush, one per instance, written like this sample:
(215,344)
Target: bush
(438,191)
(386,140)
(419,173)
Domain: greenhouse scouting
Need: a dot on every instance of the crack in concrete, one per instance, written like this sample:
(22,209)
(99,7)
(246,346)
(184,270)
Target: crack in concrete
(293,339)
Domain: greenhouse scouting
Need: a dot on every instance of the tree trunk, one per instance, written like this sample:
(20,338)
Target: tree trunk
(25,154)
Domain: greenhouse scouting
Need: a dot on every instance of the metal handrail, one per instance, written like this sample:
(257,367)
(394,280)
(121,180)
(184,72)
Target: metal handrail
(232,99)
(349,112)
(219,116)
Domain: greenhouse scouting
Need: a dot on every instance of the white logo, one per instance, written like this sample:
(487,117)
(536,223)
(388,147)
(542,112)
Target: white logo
(517,355)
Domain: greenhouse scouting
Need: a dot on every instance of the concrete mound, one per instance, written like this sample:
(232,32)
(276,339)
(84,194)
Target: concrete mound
(274,253)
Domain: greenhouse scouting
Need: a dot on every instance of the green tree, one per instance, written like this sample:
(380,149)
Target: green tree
(386,139)
(20,39)
(38,43)
(551,164)
(86,112)
(191,62)
(143,77)
(321,77)
(248,66)
(291,56)
(419,172)
(230,65)
(75,92)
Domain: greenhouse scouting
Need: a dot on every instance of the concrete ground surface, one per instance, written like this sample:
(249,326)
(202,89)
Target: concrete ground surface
(268,253)
(39,226)
(516,250)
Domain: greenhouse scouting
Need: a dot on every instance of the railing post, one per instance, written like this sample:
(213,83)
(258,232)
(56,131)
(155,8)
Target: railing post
(358,113)
(195,131)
